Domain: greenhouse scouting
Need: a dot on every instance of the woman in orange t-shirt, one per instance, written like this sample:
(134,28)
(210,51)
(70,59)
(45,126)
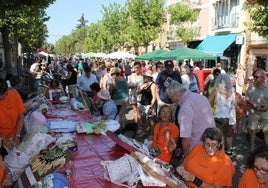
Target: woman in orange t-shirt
(257,173)
(207,165)
(165,134)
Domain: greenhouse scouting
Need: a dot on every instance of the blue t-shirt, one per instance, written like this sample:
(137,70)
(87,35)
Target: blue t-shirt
(109,108)
(163,80)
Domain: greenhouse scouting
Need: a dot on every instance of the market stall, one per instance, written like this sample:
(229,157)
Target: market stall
(81,164)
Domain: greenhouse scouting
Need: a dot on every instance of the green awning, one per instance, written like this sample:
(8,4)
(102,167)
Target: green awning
(150,55)
(216,45)
(185,53)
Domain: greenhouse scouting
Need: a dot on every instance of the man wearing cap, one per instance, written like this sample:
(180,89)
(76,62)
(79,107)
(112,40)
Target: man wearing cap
(85,80)
(163,80)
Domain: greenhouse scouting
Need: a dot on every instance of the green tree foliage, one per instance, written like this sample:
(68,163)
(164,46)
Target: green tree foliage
(259,15)
(82,22)
(99,39)
(146,18)
(34,32)
(136,23)
(183,16)
(23,21)
(78,38)
(64,46)
(115,20)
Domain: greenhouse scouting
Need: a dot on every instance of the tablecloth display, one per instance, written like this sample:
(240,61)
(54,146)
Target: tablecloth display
(89,149)
(85,170)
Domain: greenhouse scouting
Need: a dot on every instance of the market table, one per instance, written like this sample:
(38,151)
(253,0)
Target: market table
(85,169)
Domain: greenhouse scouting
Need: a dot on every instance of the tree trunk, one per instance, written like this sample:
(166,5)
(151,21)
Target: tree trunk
(7,50)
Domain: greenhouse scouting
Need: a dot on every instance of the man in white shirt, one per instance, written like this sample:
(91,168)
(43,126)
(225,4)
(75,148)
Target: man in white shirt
(85,80)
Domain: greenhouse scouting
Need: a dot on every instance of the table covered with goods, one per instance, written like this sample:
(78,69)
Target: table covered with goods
(66,146)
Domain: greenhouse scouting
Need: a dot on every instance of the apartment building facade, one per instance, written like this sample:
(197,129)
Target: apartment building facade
(222,32)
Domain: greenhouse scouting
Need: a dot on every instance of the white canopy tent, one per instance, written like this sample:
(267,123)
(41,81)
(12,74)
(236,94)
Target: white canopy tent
(121,55)
(100,55)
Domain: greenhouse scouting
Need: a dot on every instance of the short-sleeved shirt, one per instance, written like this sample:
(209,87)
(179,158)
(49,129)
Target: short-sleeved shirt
(84,82)
(159,139)
(194,117)
(259,96)
(215,170)
(163,80)
(10,108)
(109,108)
(249,180)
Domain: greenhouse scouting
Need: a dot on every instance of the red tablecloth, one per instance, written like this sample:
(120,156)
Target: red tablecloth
(86,170)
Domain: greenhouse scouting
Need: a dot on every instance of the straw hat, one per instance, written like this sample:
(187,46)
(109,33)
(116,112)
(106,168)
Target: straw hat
(114,70)
(104,94)
(148,73)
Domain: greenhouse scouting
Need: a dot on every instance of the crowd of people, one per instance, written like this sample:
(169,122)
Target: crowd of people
(167,102)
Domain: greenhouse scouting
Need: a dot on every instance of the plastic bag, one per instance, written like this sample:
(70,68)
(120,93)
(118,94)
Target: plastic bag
(16,161)
(35,143)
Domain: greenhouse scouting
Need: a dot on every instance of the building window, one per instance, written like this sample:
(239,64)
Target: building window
(226,13)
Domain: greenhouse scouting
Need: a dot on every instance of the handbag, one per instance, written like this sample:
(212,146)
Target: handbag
(122,171)
(133,97)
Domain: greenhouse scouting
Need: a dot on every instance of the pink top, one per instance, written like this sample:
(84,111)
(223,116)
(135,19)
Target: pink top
(194,117)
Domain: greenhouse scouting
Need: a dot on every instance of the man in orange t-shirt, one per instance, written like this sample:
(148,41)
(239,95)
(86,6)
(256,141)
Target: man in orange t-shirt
(11,115)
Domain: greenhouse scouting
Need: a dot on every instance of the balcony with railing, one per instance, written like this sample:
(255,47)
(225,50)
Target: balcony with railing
(230,21)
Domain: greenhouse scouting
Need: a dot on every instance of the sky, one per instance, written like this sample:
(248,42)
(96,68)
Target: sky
(64,15)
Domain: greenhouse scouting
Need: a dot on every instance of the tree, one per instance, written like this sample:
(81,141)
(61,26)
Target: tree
(17,19)
(115,20)
(82,22)
(183,16)
(64,46)
(99,39)
(259,15)
(79,36)
(146,19)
